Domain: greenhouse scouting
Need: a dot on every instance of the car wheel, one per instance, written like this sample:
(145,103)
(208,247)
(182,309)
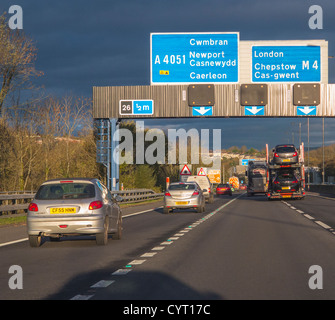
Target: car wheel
(199,209)
(118,234)
(166,210)
(211,199)
(35,241)
(102,238)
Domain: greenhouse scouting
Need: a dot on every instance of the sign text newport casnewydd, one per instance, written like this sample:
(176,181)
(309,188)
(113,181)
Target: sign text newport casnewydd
(181,58)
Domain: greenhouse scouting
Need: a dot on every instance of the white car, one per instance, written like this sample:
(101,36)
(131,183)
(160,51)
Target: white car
(184,195)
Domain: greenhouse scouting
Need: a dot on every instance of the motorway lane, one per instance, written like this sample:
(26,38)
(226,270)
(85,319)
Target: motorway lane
(59,270)
(321,209)
(251,249)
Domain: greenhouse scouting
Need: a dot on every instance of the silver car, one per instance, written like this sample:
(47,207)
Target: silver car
(285,154)
(184,195)
(73,207)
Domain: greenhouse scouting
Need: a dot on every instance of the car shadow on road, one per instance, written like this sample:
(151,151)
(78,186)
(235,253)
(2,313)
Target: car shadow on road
(135,285)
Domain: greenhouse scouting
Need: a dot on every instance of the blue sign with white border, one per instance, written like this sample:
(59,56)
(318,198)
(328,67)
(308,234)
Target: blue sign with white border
(306,111)
(136,107)
(286,64)
(254,111)
(194,57)
(202,111)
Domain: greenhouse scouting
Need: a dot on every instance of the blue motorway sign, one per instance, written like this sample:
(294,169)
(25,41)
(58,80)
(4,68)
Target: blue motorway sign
(194,58)
(136,107)
(254,111)
(245,162)
(202,111)
(286,64)
(306,111)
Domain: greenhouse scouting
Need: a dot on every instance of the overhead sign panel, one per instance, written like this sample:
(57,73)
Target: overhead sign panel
(286,64)
(136,107)
(181,58)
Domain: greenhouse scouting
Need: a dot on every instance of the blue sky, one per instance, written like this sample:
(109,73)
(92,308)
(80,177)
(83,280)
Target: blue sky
(107,43)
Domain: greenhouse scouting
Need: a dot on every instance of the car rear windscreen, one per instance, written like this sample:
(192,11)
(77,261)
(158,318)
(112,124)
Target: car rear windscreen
(59,191)
(182,187)
(285,150)
(286,176)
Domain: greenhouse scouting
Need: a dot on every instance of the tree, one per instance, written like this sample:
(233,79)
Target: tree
(17,59)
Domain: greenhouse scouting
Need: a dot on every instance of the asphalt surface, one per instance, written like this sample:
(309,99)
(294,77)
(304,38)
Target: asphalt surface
(239,248)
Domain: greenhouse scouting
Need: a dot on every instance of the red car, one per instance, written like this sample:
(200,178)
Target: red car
(223,189)
(243,187)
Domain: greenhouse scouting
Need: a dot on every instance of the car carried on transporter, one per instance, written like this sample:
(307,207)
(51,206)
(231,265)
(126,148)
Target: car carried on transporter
(79,206)
(286,173)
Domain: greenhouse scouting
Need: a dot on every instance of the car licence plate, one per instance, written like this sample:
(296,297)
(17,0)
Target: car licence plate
(285,188)
(62,210)
(286,160)
(286,196)
(181,202)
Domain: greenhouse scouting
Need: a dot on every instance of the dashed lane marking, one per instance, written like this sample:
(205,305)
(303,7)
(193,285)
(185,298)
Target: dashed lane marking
(308,216)
(323,225)
(102,284)
(164,244)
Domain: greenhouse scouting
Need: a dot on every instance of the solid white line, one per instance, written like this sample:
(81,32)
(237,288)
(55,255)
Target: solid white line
(136,213)
(12,242)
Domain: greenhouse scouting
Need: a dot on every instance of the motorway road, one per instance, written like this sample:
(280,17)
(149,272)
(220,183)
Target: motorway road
(240,248)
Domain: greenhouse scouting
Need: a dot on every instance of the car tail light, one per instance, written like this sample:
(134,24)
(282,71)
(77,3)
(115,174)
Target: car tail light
(295,181)
(195,193)
(209,190)
(276,155)
(95,205)
(33,207)
(295,154)
(276,182)
(167,194)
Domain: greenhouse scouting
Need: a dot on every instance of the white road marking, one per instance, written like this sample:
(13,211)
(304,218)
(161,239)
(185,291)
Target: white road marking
(12,242)
(136,213)
(308,216)
(166,243)
(102,284)
(121,272)
(300,211)
(323,224)
(148,254)
(82,297)
(158,248)
(136,262)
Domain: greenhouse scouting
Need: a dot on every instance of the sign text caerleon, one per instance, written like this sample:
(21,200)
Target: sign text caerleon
(194,58)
